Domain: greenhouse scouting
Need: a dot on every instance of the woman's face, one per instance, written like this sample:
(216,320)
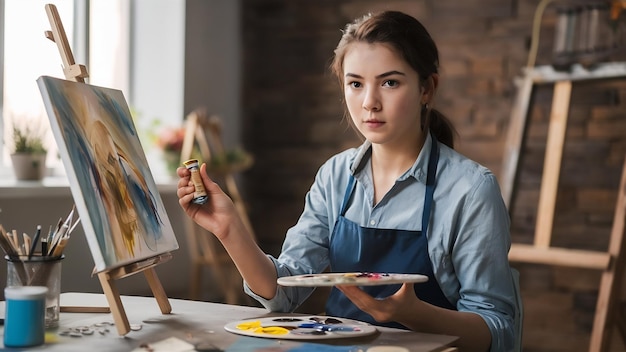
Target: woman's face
(383,94)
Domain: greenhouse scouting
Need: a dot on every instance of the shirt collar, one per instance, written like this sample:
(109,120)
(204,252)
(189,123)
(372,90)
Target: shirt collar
(419,170)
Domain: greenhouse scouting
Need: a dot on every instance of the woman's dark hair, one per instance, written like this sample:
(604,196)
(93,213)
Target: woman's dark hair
(409,37)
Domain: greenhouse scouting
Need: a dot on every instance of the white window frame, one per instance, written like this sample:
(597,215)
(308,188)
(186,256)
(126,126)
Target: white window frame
(133,49)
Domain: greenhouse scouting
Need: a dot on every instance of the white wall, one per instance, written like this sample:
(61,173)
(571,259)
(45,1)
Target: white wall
(157,58)
(185,55)
(213,62)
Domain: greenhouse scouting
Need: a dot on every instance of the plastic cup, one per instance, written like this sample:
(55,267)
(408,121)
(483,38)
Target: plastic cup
(24,320)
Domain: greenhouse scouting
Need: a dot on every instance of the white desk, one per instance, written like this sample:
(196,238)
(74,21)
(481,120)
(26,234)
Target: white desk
(203,322)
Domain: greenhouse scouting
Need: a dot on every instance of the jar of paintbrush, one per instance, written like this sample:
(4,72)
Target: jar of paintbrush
(38,271)
(35,260)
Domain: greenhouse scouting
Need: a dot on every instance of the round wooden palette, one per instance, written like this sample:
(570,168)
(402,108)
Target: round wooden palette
(301,328)
(356,279)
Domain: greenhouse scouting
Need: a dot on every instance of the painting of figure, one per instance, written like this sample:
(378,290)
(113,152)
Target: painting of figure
(116,197)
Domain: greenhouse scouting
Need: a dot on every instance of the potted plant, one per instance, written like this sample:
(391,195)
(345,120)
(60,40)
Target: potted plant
(28,153)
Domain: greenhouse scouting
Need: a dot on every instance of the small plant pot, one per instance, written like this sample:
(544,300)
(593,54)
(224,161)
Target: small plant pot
(29,166)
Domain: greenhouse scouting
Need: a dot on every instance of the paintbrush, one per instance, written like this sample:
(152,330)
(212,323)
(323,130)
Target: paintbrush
(67,223)
(45,241)
(62,231)
(33,246)
(51,234)
(73,226)
(14,248)
(58,227)
(16,242)
(58,250)
(44,246)
(27,242)
(6,243)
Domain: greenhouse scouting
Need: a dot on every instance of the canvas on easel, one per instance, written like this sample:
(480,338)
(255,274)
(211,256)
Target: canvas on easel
(123,216)
(121,210)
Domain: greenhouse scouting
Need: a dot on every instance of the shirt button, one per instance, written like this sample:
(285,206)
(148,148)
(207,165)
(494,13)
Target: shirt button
(373,222)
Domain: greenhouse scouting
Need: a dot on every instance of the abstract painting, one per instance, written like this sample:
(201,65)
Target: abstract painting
(116,197)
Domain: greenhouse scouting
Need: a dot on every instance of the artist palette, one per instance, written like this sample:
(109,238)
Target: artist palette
(356,279)
(301,328)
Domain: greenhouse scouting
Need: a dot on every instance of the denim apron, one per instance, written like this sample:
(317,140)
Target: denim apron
(362,249)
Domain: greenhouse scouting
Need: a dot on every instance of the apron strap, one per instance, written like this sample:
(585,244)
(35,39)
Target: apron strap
(430,183)
(430,186)
(347,196)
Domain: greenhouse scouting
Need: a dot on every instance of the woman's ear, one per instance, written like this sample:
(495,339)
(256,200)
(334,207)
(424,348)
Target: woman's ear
(430,87)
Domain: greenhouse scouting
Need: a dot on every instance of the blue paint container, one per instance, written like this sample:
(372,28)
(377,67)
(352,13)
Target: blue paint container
(24,319)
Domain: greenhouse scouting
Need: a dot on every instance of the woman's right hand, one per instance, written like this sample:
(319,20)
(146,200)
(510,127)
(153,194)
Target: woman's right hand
(217,214)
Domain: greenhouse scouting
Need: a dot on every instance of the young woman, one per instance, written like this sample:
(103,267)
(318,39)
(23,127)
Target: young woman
(403,202)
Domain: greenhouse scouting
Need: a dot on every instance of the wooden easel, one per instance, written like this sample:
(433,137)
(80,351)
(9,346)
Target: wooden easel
(611,262)
(78,73)
(197,123)
(205,131)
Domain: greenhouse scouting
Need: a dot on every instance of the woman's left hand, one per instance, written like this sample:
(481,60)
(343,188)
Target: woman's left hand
(392,308)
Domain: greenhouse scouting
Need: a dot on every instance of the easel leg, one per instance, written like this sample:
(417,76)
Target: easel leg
(608,309)
(604,317)
(552,163)
(158,291)
(115,302)
(514,140)
(620,322)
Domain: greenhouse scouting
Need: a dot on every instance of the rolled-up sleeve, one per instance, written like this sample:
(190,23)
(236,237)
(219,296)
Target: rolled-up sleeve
(286,298)
(480,258)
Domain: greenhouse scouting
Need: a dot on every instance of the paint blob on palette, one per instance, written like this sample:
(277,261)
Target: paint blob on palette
(355,278)
(301,327)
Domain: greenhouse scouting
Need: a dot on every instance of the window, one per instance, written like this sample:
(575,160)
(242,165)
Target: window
(27,55)
(109,37)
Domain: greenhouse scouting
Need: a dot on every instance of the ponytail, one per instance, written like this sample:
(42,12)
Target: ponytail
(440,126)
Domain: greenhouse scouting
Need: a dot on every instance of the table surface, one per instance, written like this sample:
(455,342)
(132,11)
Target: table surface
(202,324)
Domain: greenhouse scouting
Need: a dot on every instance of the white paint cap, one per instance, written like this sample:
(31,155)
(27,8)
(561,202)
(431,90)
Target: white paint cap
(25,292)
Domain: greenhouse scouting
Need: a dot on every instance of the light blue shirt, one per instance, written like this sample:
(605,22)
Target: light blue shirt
(468,235)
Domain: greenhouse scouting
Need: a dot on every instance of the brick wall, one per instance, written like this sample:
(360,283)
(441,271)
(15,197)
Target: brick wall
(293,121)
